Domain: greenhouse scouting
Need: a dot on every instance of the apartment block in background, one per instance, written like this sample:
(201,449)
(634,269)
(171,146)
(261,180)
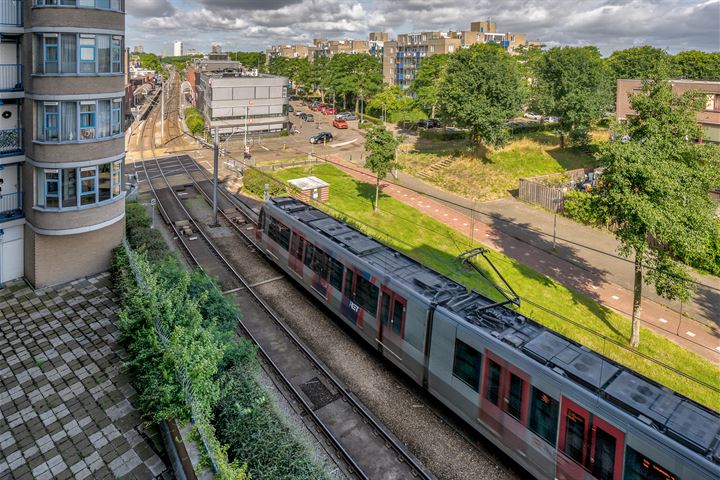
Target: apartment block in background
(290,51)
(402,57)
(708,118)
(62,139)
(328,48)
(178,50)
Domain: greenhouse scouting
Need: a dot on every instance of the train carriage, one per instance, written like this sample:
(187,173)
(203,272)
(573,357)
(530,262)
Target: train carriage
(557,408)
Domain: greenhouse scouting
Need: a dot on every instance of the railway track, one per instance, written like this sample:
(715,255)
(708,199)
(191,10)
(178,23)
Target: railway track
(361,443)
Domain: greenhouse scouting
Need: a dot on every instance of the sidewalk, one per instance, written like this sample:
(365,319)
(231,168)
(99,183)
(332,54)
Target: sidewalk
(591,271)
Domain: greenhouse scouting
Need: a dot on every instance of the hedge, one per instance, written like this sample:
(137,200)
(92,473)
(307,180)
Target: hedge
(444,135)
(200,324)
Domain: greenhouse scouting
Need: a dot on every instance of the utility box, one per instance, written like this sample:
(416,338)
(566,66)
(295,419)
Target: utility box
(311,188)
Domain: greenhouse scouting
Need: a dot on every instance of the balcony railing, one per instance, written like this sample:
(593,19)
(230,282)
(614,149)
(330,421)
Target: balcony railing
(11,13)
(11,142)
(10,206)
(10,77)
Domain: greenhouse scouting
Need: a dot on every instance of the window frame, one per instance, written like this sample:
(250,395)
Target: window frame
(116,48)
(93,116)
(41,201)
(82,179)
(115,110)
(479,359)
(638,459)
(56,181)
(46,121)
(534,413)
(47,47)
(82,47)
(56,3)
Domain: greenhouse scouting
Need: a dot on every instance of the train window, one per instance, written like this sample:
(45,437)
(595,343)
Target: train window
(492,392)
(398,316)
(514,403)
(320,264)
(348,284)
(543,415)
(261,220)
(279,233)
(466,365)
(639,467)
(385,308)
(366,295)
(575,436)
(309,249)
(297,246)
(336,273)
(604,458)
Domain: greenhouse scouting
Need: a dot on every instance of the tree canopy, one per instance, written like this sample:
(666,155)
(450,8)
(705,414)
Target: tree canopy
(426,85)
(697,65)
(382,145)
(637,62)
(482,90)
(655,190)
(575,84)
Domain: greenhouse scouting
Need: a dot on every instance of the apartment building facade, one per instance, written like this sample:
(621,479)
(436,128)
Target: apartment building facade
(234,101)
(329,48)
(290,51)
(708,118)
(402,57)
(62,139)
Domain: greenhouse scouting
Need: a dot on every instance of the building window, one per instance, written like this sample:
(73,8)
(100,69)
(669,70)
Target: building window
(51,56)
(117,5)
(87,53)
(52,121)
(466,364)
(87,120)
(116,55)
(77,187)
(116,117)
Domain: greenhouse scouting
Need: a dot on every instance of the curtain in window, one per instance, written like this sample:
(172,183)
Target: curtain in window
(40,121)
(103,52)
(104,182)
(69,53)
(39,55)
(68,121)
(103,119)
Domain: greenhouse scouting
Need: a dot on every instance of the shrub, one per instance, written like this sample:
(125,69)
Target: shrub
(444,135)
(254,181)
(583,208)
(194,120)
(283,133)
(141,236)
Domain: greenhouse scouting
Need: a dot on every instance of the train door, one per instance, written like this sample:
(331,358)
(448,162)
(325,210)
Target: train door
(392,322)
(589,447)
(505,400)
(297,248)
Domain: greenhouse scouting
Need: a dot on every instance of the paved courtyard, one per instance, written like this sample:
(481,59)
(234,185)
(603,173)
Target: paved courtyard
(65,400)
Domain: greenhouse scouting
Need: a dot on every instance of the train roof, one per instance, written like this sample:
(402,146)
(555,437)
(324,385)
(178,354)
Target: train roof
(677,417)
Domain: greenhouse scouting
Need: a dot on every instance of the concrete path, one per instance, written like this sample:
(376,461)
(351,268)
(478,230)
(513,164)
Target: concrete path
(594,270)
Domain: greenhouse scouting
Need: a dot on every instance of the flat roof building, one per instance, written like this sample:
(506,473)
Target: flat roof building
(708,118)
(236,100)
(62,139)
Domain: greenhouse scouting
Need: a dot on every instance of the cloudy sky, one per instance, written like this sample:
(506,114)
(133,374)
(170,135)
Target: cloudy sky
(252,25)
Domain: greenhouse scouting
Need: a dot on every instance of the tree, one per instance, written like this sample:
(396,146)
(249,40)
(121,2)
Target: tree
(655,191)
(426,85)
(573,83)
(382,146)
(637,62)
(697,65)
(392,99)
(482,90)
(249,59)
(353,75)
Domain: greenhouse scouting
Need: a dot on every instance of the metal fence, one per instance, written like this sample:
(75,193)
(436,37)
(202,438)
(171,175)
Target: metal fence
(10,205)
(11,141)
(548,194)
(10,77)
(198,416)
(11,13)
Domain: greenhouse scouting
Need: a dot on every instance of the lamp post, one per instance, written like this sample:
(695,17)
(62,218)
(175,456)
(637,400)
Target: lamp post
(2,234)
(556,204)
(153,202)
(216,154)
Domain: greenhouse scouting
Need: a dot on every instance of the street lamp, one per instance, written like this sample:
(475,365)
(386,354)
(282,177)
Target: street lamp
(2,234)
(153,202)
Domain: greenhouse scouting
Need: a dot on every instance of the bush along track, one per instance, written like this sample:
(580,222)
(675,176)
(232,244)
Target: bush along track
(186,362)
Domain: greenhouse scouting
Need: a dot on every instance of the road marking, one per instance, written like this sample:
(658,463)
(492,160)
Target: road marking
(689,333)
(454,219)
(465,224)
(336,145)
(662,320)
(615,297)
(445,214)
(437,210)
(717,348)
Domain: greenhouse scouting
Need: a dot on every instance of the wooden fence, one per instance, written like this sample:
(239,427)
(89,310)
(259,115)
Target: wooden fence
(548,194)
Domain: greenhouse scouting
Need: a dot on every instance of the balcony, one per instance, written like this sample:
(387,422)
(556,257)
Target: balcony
(11,142)
(10,77)
(11,206)
(11,13)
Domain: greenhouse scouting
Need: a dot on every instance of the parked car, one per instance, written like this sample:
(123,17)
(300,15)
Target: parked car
(329,111)
(533,116)
(321,137)
(340,123)
(299,113)
(315,106)
(552,119)
(347,116)
(291,108)
(429,123)
(309,117)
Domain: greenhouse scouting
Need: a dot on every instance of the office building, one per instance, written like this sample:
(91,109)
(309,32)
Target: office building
(708,118)
(62,142)
(178,49)
(233,99)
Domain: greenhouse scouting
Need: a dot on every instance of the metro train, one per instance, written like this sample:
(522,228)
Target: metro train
(557,408)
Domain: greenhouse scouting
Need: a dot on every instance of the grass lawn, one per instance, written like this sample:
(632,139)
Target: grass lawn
(485,174)
(437,245)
